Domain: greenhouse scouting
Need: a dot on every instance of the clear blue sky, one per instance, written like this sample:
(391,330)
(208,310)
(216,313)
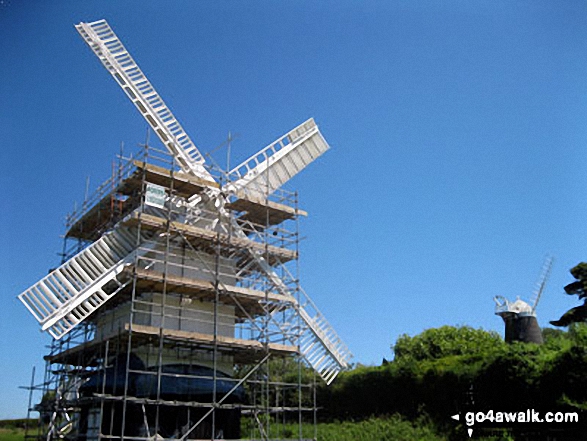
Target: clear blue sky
(458,133)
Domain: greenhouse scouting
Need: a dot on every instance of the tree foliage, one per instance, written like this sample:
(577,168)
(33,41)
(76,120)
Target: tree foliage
(436,343)
(578,288)
(441,371)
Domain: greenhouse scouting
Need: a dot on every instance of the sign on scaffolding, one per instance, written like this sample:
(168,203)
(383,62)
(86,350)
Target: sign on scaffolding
(155,195)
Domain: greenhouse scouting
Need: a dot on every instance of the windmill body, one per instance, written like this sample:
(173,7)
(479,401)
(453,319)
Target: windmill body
(521,323)
(179,298)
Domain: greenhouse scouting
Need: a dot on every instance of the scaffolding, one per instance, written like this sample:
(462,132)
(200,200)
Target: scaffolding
(190,336)
(177,309)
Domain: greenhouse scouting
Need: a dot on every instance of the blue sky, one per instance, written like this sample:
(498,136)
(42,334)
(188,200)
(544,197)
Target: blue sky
(458,134)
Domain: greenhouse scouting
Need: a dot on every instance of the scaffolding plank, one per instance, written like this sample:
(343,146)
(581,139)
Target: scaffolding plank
(209,339)
(209,237)
(261,211)
(184,184)
(243,350)
(96,218)
(194,286)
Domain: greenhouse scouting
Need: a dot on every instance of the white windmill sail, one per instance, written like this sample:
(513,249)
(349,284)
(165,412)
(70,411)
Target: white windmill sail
(541,283)
(320,345)
(273,166)
(116,59)
(70,293)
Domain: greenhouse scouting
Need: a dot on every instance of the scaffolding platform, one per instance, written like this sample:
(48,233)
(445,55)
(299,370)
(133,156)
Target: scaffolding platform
(248,302)
(202,238)
(120,195)
(244,351)
(262,211)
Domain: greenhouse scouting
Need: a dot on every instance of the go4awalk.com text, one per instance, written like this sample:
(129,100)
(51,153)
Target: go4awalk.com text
(497,419)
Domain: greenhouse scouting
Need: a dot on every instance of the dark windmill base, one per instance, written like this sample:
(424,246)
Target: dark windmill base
(172,422)
(522,328)
(137,417)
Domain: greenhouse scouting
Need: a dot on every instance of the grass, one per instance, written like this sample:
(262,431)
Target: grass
(388,428)
(13,430)
(12,434)
(375,429)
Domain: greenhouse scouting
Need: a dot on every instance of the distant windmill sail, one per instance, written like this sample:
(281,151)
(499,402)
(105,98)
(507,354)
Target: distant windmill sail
(541,284)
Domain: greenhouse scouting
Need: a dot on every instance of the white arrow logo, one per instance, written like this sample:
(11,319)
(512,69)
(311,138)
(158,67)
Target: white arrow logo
(456,417)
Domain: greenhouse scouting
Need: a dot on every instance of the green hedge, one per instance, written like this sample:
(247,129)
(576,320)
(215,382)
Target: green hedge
(441,371)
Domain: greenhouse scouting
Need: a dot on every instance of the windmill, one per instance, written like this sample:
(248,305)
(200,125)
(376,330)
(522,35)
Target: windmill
(519,316)
(193,258)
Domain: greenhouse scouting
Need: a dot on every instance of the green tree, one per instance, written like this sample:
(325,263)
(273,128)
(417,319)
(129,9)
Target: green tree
(446,341)
(578,288)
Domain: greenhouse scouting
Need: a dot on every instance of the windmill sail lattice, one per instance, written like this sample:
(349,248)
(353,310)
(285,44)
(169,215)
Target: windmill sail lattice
(542,281)
(320,345)
(70,293)
(116,59)
(273,166)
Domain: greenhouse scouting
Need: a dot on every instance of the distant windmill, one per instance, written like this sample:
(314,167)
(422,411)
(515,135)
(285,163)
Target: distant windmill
(520,317)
